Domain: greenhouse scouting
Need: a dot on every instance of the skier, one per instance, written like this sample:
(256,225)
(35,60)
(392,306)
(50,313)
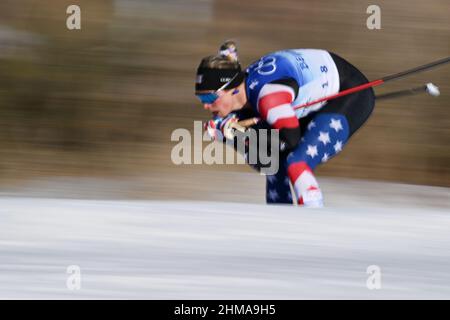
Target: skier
(270,88)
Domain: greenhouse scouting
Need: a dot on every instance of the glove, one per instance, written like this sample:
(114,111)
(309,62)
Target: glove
(221,129)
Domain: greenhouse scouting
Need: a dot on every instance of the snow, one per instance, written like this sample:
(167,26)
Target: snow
(220,250)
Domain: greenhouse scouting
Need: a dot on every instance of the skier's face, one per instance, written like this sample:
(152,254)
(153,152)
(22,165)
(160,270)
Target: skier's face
(223,104)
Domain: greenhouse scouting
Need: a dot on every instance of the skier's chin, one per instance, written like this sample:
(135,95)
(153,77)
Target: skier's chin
(223,114)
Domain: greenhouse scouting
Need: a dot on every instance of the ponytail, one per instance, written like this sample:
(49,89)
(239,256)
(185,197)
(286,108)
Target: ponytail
(228,50)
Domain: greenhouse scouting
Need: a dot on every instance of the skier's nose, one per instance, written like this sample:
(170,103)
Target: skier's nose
(207,106)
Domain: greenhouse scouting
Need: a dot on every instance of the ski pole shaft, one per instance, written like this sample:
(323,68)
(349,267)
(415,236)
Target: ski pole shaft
(416,69)
(429,88)
(377,82)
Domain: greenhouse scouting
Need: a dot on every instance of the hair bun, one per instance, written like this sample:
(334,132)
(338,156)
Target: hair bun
(229,50)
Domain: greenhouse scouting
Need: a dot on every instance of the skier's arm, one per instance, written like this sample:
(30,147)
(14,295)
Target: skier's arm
(274,106)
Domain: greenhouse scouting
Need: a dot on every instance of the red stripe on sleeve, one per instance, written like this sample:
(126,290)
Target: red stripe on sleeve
(272,100)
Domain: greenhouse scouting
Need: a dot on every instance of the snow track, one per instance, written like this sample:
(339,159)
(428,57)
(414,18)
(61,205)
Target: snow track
(213,250)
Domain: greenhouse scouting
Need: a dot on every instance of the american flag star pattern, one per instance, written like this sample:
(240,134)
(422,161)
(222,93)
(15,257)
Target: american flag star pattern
(322,141)
(277,186)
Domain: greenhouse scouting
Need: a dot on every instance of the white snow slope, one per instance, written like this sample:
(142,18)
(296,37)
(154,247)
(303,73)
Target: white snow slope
(218,250)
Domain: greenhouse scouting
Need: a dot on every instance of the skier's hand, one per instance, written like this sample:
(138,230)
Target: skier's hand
(221,129)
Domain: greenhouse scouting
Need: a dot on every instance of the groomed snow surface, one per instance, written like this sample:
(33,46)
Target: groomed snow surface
(222,250)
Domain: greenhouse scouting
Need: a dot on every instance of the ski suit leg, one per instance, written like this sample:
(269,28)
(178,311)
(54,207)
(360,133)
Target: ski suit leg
(324,138)
(278,190)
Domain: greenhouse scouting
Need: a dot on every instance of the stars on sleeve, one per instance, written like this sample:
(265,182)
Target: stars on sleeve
(325,157)
(336,124)
(324,137)
(311,125)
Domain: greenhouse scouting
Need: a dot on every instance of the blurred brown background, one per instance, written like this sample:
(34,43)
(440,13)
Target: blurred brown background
(103,101)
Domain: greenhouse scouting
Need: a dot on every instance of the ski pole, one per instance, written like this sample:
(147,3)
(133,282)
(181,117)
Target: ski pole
(377,82)
(429,88)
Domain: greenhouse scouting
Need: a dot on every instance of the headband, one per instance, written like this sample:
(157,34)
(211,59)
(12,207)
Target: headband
(213,79)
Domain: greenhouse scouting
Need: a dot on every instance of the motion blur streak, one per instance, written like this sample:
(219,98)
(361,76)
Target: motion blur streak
(102,101)
(86,177)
